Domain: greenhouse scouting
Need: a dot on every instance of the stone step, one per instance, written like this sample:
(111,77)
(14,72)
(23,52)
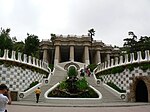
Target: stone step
(60,75)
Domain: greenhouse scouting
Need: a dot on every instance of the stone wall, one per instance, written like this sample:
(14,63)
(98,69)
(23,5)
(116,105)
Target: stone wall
(18,79)
(124,79)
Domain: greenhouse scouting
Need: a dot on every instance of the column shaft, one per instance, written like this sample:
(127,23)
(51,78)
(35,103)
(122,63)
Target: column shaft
(108,57)
(71,53)
(86,55)
(45,55)
(56,61)
(98,57)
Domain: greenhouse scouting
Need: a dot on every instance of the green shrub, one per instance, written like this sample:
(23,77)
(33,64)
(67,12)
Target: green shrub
(82,84)
(92,67)
(32,85)
(111,84)
(63,85)
(72,72)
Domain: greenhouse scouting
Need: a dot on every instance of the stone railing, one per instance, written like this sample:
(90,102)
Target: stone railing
(24,59)
(70,35)
(123,60)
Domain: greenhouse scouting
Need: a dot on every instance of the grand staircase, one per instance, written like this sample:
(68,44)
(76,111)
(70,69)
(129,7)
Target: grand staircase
(59,75)
(106,95)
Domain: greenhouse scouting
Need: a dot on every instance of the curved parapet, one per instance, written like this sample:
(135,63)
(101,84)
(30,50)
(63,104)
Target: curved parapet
(24,59)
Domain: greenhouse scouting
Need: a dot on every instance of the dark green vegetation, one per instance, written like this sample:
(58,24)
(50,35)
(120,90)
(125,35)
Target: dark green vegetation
(133,44)
(30,46)
(73,87)
(111,84)
(32,85)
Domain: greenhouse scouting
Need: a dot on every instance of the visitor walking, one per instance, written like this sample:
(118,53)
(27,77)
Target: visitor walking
(4,97)
(37,92)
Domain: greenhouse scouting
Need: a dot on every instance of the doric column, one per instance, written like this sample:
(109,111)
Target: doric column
(71,53)
(86,55)
(98,57)
(45,55)
(108,57)
(56,61)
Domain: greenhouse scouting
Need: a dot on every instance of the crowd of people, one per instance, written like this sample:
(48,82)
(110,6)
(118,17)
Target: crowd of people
(85,71)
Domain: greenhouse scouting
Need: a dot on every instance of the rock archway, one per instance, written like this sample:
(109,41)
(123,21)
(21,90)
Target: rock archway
(140,89)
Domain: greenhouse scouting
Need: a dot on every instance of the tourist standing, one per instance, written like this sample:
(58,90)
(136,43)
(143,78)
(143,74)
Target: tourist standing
(37,92)
(4,97)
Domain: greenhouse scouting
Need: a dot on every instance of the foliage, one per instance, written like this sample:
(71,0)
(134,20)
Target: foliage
(5,39)
(82,84)
(51,66)
(111,84)
(32,85)
(92,67)
(32,45)
(144,66)
(134,45)
(63,85)
(84,91)
(53,37)
(19,46)
(91,33)
(72,72)
(117,70)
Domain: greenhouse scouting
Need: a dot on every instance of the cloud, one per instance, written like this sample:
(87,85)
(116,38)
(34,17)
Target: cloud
(111,19)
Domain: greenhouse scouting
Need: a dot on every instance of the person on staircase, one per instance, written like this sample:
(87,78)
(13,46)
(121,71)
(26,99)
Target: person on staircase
(37,93)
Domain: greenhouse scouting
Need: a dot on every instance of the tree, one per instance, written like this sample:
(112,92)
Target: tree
(19,46)
(53,36)
(133,45)
(32,45)
(91,34)
(5,39)
(144,43)
(131,42)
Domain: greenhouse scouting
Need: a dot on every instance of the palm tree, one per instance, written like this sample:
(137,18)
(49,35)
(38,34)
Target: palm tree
(53,36)
(91,34)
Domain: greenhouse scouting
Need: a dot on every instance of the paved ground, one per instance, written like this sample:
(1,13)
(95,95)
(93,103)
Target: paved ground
(21,108)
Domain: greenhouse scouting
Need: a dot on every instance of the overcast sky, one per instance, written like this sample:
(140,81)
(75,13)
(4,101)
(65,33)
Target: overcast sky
(111,19)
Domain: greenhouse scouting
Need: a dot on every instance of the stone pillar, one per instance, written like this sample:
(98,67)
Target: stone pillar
(33,61)
(71,53)
(5,54)
(25,58)
(108,57)
(30,61)
(98,57)
(57,50)
(19,57)
(13,56)
(86,55)
(45,55)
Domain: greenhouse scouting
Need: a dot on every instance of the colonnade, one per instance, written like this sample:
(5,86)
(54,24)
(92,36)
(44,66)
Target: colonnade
(85,58)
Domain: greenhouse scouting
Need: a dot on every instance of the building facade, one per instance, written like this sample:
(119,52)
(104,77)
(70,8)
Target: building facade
(76,49)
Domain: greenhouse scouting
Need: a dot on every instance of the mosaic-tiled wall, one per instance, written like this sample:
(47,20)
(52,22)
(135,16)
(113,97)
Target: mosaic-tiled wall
(18,79)
(124,79)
